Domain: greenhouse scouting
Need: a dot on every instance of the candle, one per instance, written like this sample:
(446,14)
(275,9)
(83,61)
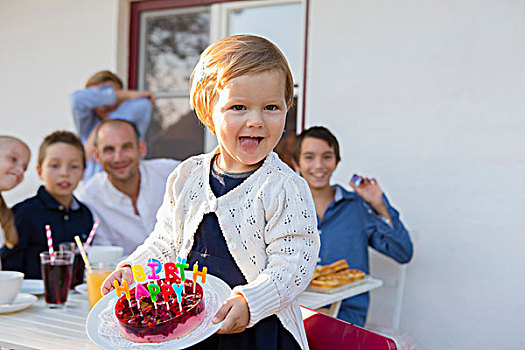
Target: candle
(124,288)
(178,292)
(140,291)
(167,290)
(153,291)
(181,264)
(197,273)
(138,273)
(156,267)
(170,270)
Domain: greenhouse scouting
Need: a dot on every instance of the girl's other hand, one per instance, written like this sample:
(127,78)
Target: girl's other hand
(123,273)
(234,313)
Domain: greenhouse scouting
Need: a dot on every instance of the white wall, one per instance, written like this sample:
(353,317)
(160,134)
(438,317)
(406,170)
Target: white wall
(49,49)
(428,96)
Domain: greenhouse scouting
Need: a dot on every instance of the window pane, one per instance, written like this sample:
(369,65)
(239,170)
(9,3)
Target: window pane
(284,31)
(173,42)
(175,131)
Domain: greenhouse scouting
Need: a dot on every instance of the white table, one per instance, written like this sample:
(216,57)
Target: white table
(314,300)
(39,327)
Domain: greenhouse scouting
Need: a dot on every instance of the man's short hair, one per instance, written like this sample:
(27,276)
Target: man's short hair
(318,132)
(116,121)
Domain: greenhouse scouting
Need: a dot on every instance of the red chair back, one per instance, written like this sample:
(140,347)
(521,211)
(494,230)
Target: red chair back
(325,332)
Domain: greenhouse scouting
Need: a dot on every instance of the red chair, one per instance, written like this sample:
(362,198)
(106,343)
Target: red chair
(325,332)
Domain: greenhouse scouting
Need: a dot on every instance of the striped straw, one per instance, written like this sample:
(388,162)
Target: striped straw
(92,233)
(50,244)
(83,253)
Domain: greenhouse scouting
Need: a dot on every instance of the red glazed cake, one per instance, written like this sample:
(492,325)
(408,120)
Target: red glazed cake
(164,323)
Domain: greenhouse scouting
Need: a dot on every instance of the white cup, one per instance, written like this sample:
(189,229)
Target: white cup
(10,282)
(105,254)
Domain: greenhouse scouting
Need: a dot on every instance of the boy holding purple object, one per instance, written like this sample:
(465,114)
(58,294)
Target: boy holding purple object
(348,222)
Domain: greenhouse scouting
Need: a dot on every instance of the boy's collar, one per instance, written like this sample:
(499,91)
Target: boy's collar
(341,193)
(51,203)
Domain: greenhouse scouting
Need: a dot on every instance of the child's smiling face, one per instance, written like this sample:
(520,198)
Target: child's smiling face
(249,117)
(61,170)
(14,157)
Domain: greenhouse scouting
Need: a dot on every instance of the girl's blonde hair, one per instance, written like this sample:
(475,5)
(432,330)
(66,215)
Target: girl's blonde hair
(229,58)
(7,221)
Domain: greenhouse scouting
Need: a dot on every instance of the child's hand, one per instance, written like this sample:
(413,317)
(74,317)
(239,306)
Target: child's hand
(123,95)
(235,313)
(370,191)
(124,273)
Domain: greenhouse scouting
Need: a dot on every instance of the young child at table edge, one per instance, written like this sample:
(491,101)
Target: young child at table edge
(60,164)
(14,158)
(240,210)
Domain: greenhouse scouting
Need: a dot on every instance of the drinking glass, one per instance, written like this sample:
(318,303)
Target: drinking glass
(78,263)
(98,274)
(57,277)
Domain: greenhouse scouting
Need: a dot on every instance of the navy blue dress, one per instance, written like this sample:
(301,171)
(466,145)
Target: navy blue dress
(210,249)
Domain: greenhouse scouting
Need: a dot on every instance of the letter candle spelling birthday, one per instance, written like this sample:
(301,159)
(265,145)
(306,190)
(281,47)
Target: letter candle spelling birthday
(166,288)
(153,288)
(197,273)
(178,291)
(123,289)
(181,264)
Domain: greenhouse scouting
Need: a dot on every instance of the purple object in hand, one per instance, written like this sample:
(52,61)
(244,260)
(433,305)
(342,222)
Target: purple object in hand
(356,179)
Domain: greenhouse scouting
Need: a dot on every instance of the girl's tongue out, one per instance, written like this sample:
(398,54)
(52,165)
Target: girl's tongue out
(249,144)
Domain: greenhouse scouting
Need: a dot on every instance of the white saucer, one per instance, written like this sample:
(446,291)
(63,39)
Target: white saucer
(35,287)
(22,301)
(82,288)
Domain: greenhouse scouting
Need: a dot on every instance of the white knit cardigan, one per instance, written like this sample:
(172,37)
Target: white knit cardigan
(268,223)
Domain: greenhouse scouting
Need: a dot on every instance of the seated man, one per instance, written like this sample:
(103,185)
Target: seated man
(126,196)
(348,222)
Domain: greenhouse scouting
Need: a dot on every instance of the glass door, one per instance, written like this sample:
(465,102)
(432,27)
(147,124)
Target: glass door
(170,44)
(170,41)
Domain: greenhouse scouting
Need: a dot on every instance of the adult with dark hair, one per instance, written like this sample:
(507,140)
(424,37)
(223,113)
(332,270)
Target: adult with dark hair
(126,196)
(348,222)
(104,97)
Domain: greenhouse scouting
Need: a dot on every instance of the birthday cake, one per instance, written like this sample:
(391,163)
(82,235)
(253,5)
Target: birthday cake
(159,318)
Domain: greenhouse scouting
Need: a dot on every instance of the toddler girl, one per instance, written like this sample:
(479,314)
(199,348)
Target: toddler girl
(240,210)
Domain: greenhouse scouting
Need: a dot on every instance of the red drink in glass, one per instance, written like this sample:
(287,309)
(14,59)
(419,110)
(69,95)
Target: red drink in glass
(78,271)
(57,277)
(78,263)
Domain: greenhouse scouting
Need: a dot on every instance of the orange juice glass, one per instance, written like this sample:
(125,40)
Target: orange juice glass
(94,281)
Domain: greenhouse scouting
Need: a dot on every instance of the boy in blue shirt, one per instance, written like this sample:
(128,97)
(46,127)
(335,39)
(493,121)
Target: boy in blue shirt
(104,97)
(348,222)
